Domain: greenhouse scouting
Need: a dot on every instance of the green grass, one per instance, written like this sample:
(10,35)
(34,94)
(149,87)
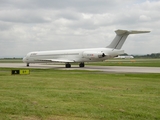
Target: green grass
(11,60)
(78,95)
(129,62)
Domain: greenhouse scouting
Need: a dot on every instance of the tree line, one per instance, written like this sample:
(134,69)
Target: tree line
(152,55)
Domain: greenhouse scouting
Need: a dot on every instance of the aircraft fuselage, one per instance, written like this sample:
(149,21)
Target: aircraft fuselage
(74,55)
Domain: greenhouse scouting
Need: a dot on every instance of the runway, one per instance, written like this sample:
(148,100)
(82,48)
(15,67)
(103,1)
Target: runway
(109,69)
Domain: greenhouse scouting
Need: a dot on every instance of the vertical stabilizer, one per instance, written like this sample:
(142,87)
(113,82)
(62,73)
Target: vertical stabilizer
(121,36)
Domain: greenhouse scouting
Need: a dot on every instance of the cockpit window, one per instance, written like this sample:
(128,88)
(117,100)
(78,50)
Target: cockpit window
(33,54)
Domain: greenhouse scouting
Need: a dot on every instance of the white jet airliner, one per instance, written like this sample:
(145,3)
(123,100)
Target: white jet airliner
(82,55)
(125,57)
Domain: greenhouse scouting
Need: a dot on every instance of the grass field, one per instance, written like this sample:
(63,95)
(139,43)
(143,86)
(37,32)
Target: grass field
(78,95)
(129,62)
(11,60)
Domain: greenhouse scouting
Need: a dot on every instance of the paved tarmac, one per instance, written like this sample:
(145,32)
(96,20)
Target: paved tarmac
(109,69)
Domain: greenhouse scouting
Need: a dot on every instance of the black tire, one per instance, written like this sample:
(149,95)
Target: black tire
(81,65)
(68,65)
(27,64)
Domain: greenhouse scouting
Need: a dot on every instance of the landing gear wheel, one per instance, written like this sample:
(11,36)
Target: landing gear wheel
(27,64)
(68,65)
(81,65)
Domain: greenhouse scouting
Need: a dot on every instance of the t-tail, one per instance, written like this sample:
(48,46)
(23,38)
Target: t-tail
(121,36)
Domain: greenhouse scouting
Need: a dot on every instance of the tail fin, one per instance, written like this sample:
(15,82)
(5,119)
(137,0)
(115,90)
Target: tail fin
(121,36)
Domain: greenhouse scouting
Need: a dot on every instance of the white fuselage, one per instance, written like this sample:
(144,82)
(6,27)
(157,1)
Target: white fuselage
(125,57)
(82,55)
(73,55)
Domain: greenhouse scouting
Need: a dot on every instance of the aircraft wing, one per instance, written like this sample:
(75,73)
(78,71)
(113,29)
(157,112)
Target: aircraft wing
(57,60)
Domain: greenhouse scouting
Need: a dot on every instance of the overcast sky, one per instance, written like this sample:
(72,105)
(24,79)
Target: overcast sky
(35,25)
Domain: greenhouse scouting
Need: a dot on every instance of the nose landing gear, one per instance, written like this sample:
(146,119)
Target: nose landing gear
(27,65)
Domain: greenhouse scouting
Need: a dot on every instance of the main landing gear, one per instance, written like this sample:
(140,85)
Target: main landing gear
(68,65)
(81,64)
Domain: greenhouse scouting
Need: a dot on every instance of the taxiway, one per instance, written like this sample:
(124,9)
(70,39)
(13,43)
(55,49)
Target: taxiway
(110,69)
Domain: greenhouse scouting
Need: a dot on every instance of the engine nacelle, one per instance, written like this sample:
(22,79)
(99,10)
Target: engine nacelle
(93,54)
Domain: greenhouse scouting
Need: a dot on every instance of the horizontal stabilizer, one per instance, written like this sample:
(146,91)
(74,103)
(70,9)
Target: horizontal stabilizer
(121,36)
(121,32)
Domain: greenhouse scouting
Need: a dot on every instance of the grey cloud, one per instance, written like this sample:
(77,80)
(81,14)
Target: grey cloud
(21,16)
(30,25)
(89,6)
(5,26)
